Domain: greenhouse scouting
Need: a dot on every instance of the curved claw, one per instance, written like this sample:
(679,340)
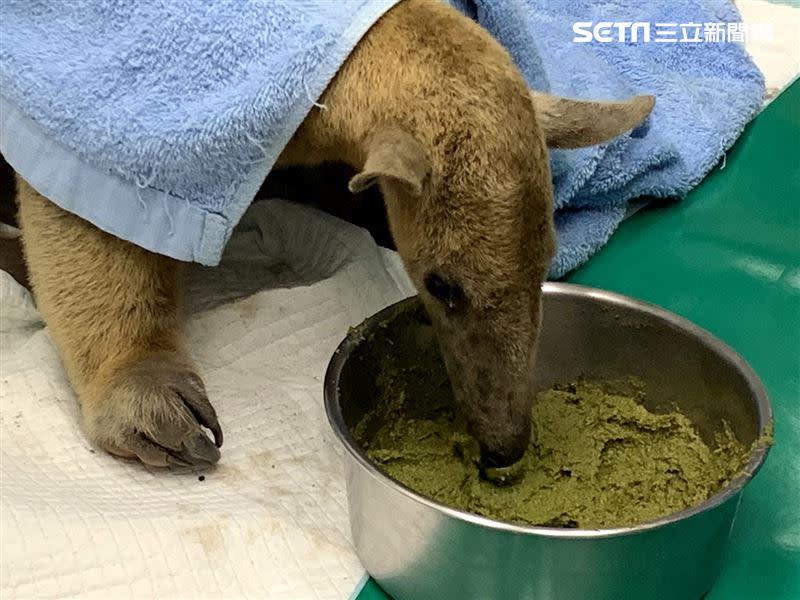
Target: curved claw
(156,411)
(199,448)
(193,393)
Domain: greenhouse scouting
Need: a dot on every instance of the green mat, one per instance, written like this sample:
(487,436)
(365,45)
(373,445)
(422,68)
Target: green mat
(728,258)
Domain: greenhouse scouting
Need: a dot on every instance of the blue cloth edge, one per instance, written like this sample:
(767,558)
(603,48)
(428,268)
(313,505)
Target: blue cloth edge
(72,184)
(247,189)
(172,222)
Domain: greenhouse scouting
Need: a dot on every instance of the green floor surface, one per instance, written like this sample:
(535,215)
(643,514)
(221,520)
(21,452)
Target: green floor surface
(728,258)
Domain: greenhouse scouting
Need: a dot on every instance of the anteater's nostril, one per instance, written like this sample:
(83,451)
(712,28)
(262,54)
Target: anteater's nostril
(504,448)
(502,457)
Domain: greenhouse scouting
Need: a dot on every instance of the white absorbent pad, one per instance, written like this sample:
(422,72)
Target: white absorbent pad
(271,520)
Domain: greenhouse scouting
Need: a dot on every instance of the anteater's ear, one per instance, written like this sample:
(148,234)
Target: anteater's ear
(571,123)
(397,156)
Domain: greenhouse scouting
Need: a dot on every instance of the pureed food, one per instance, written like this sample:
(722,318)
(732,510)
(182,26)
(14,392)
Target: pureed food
(596,459)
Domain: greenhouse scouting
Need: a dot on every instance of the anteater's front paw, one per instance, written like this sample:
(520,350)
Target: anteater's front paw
(154,410)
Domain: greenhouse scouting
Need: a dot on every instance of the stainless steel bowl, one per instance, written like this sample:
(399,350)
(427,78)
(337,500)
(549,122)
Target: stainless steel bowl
(418,549)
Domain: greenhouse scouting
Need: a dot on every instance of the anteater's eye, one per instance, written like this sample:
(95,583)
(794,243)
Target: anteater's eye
(447,292)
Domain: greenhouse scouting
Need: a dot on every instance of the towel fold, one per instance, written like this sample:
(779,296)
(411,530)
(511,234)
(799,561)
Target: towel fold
(165,135)
(706,93)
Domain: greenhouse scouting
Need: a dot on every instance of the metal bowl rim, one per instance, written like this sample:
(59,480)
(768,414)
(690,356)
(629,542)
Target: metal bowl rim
(758,392)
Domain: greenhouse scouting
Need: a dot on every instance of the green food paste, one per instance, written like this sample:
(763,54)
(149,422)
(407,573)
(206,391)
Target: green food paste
(596,459)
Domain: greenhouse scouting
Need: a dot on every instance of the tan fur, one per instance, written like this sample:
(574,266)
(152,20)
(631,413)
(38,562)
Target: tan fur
(114,313)
(435,112)
(570,123)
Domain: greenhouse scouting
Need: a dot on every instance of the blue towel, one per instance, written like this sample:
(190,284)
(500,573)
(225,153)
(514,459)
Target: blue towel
(705,94)
(164,134)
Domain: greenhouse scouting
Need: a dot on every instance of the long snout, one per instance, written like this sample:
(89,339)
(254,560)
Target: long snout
(497,407)
(490,359)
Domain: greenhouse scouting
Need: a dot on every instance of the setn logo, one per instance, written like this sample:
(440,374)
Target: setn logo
(604,32)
